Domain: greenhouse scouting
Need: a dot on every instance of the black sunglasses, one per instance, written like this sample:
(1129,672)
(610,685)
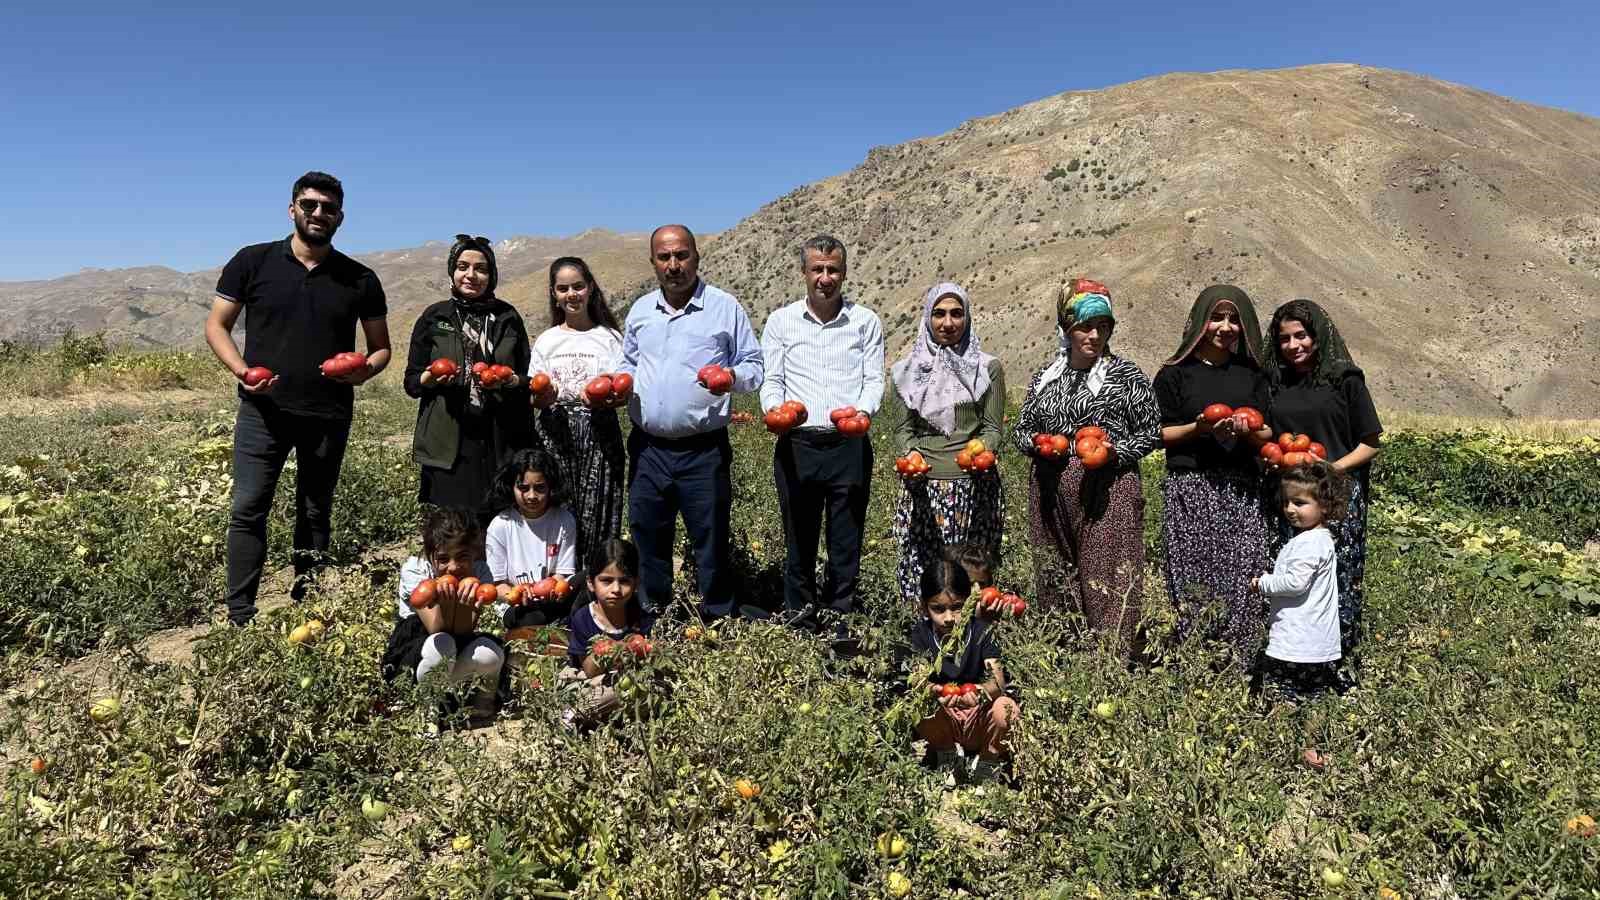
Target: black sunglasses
(309,206)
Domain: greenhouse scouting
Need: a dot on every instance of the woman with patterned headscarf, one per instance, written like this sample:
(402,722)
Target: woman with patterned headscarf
(1087,524)
(1214,528)
(953,393)
(1318,390)
(466,424)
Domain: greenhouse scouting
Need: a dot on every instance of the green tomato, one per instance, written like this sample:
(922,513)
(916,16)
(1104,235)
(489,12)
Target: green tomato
(374,810)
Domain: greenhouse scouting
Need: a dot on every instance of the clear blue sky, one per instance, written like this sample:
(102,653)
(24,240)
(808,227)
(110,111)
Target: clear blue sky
(171,137)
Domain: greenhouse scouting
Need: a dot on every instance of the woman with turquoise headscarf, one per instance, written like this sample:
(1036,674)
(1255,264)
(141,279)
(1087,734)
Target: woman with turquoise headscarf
(1087,524)
(1214,527)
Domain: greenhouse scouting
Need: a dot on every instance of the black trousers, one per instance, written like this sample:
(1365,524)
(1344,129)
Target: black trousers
(824,481)
(262,439)
(689,475)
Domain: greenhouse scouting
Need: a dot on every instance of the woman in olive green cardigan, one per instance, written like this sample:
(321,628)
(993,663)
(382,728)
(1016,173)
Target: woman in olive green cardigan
(953,393)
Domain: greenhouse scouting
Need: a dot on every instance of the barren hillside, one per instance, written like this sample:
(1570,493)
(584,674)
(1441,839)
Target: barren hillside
(1453,234)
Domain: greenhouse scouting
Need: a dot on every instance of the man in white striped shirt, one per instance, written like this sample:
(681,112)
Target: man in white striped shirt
(826,352)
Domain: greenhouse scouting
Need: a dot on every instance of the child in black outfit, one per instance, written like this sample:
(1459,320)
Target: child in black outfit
(979,719)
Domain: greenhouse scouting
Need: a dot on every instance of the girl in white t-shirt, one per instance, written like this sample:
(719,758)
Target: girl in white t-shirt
(533,537)
(583,436)
(1303,652)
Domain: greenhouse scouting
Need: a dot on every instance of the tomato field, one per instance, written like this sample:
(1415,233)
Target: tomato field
(749,762)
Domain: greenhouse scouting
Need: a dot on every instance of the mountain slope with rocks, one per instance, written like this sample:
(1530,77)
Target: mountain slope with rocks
(1451,233)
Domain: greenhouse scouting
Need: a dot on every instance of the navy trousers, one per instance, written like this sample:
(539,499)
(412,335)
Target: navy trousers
(262,439)
(823,480)
(689,476)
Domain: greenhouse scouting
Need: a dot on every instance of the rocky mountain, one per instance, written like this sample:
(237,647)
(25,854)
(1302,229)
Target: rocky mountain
(1453,235)
(159,307)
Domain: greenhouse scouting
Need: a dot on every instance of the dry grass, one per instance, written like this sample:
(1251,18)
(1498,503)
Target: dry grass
(1535,429)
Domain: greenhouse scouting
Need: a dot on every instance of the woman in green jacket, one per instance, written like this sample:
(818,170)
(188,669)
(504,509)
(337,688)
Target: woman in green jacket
(467,425)
(953,393)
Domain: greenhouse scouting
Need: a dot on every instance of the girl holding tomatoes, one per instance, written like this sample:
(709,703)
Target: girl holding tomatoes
(532,537)
(1085,501)
(1318,390)
(967,678)
(1212,394)
(954,396)
(465,354)
(581,431)
(436,628)
(608,633)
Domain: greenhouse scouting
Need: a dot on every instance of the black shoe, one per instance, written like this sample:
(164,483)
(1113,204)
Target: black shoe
(802,619)
(298,589)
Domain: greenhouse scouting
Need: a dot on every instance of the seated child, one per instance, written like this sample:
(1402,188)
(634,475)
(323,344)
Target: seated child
(443,640)
(978,721)
(613,613)
(532,536)
(1303,651)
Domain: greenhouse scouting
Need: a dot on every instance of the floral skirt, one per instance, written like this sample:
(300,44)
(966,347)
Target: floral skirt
(1087,528)
(1214,532)
(587,447)
(935,513)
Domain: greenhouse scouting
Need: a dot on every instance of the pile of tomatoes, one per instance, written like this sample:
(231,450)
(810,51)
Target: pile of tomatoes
(342,364)
(1291,450)
(912,465)
(716,379)
(1247,418)
(975,457)
(610,389)
(785,416)
(850,421)
(545,590)
(1052,446)
(1093,446)
(952,689)
(495,375)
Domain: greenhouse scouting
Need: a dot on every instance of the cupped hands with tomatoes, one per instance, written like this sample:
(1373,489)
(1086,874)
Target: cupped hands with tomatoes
(850,422)
(785,417)
(912,466)
(975,457)
(608,390)
(350,367)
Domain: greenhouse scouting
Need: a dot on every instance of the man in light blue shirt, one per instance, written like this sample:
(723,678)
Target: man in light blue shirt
(825,351)
(678,452)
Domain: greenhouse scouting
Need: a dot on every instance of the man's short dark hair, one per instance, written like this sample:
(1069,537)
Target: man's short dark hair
(318,181)
(824,244)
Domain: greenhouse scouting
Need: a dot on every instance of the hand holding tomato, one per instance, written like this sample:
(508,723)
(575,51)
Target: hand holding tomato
(257,380)
(349,368)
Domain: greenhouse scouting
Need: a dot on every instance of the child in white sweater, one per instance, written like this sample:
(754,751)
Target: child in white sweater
(1303,652)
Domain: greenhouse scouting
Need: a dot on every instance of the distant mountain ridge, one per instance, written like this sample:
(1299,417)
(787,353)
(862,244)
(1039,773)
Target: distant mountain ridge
(1454,235)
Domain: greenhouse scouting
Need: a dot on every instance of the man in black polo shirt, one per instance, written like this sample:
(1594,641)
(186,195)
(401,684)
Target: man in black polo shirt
(301,299)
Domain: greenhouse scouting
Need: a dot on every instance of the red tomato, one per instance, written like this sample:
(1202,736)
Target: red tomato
(563,587)
(446,584)
(1272,453)
(950,689)
(1286,442)
(968,688)
(988,596)
(1253,419)
(706,372)
(1216,412)
(1094,454)
(468,585)
(779,420)
(855,426)
(621,384)
(485,594)
(1018,606)
(964,460)
(603,647)
(1094,431)
(1295,458)
(719,381)
(1059,445)
(1317,450)
(478,368)
(539,383)
(1302,443)
(255,375)
(424,595)
(902,466)
(639,646)
(598,388)
(984,461)
(843,412)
